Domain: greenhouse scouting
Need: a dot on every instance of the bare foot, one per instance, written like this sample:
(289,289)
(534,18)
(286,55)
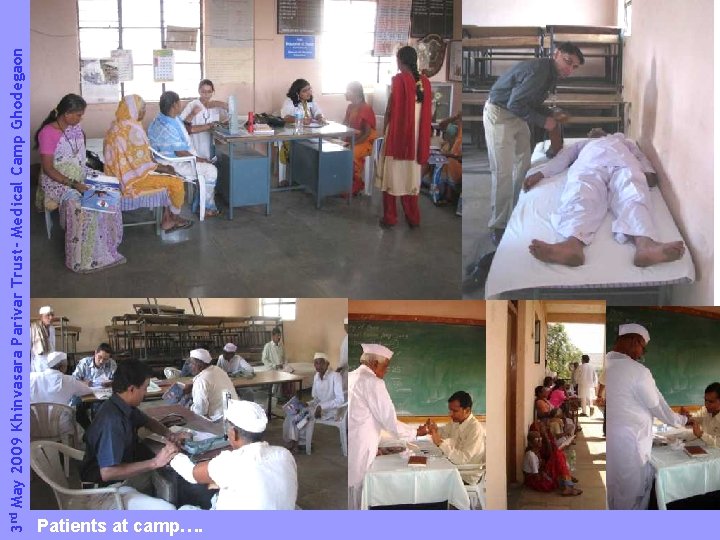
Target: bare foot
(569,252)
(649,252)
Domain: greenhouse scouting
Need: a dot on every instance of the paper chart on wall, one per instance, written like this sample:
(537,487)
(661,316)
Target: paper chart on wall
(229,24)
(224,65)
(99,81)
(392,26)
(124,62)
(163,65)
(180,38)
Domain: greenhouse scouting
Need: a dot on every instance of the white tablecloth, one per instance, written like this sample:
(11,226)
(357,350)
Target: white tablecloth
(678,476)
(390,481)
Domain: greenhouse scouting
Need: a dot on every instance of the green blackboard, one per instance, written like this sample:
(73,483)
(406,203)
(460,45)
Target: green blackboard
(683,354)
(431,362)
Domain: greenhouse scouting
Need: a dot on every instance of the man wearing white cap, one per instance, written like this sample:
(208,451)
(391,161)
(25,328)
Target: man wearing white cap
(371,410)
(633,400)
(230,362)
(42,338)
(251,476)
(208,385)
(342,368)
(327,396)
(52,385)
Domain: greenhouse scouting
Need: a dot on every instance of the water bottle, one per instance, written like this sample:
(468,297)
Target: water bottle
(299,116)
(232,113)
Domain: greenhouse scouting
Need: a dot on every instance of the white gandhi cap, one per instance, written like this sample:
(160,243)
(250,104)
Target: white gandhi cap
(230,347)
(634,329)
(201,354)
(374,348)
(320,355)
(345,320)
(246,415)
(55,358)
(45,310)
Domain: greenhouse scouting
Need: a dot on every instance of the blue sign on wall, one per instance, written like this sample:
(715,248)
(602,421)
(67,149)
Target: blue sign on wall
(299,46)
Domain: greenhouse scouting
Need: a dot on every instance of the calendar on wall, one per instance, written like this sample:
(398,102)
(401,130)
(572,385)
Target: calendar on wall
(163,65)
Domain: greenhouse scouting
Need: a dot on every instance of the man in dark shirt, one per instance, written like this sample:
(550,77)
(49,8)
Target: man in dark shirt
(113,451)
(515,101)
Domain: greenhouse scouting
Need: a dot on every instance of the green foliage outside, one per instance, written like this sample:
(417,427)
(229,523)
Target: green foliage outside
(560,351)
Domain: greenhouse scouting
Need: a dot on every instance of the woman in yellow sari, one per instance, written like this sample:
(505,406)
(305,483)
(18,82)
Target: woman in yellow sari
(128,158)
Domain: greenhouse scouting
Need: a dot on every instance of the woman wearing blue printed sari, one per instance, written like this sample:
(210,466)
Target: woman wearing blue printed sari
(168,136)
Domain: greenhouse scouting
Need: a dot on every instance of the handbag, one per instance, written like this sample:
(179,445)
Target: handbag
(269,119)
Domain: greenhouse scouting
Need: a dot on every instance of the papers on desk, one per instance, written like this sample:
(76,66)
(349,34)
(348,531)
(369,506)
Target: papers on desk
(102,393)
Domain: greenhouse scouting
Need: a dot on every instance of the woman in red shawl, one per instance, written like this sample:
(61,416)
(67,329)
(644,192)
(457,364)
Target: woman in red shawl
(407,140)
(361,117)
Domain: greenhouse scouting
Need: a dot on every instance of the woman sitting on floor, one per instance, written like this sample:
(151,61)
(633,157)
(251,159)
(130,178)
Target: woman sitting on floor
(91,238)
(543,407)
(545,467)
(557,395)
(128,158)
(361,117)
(168,136)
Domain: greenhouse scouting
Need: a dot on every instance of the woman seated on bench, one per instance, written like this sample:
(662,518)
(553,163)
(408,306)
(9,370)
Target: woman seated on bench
(128,158)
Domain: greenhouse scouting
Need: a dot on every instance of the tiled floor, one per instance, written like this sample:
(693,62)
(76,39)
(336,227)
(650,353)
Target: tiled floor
(297,251)
(589,470)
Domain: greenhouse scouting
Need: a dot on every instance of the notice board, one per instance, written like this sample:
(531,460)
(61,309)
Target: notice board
(303,17)
(432,17)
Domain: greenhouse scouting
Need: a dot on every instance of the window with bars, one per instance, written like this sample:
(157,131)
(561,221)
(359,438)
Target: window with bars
(278,307)
(346,49)
(141,27)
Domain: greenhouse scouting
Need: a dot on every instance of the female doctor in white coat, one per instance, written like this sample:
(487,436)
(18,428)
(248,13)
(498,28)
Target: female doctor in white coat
(370,411)
(633,400)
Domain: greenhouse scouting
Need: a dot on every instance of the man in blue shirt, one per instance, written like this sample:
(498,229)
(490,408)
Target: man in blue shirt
(113,451)
(515,101)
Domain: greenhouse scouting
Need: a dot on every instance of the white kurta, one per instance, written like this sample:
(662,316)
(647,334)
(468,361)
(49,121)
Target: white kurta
(207,392)
(604,173)
(632,401)
(202,142)
(288,109)
(464,444)
(236,363)
(710,425)
(256,476)
(53,386)
(327,393)
(38,356)
(370,411)
(586,380)
(273,356)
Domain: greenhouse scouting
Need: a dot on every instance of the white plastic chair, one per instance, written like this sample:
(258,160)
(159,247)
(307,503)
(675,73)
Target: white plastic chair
(475,491)
(197,178)
(340,422)
(45,459)
(172,373)
(46,421)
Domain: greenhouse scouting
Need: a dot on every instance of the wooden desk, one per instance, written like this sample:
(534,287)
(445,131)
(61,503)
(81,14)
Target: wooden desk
(264,379)
(192,421)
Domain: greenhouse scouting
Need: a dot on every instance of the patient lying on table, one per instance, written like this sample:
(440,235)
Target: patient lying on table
(606,171)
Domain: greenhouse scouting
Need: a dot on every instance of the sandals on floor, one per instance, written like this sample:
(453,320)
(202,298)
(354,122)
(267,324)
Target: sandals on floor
(186,225)
(574,493)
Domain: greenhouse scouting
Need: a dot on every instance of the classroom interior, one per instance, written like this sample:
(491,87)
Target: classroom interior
(439,348)
(681,357)
(654,99)
(336,250)
(162,331)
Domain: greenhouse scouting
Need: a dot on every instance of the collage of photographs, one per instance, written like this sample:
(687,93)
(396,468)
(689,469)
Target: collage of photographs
(306,307)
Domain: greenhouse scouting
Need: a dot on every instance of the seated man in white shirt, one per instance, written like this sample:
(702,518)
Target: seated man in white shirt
(706,421)
(251,476)
(462,441)
(327,396)
(604,172)
(209,383)
(230,362)
(52,385)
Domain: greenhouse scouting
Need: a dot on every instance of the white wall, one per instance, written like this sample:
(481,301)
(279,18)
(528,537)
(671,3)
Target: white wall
(668,77)
(539,12)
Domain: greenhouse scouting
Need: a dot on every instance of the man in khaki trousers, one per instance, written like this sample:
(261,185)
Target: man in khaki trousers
(515,101)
